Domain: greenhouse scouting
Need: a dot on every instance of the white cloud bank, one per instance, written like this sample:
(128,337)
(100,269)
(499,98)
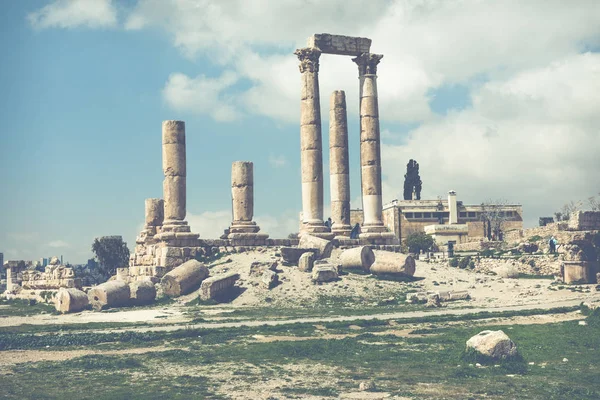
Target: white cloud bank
(75,13)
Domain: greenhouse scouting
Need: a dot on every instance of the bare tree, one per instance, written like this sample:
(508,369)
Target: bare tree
(569,209)
(493,215)
(594,202)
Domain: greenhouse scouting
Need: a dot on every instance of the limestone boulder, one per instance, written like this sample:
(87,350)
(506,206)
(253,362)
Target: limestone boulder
(269,279)
(495,344)
(184,279)
(109,294)
(323,246)
(257,268)
(70,300)
(387,262)
(324,273)
(306,262)
(142,292)
(218,286)
(357,258)
(291,255)
(527,247)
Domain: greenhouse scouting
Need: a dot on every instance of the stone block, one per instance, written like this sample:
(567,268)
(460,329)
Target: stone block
(339,44)
(269,279)
(291,255)
(184,279)
(306,262)
(217,286)
(324,273)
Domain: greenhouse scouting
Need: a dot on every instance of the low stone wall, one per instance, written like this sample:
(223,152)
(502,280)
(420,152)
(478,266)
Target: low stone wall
(478,246)
(531,265)
(217,285)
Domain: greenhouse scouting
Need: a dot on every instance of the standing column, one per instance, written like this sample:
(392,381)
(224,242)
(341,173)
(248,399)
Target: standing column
(174,168)
(339,171)
(242,195)
(311,155)
(370,150)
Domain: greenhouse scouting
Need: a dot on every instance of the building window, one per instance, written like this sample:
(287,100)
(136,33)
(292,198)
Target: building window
(501,213)
(426,215)
(409,215)
(463,215)
(472,214)
(418,215)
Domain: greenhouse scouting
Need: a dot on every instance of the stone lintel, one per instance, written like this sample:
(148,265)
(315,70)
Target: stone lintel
(340,45)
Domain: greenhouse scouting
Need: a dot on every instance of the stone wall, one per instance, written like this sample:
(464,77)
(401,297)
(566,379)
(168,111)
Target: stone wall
(477,245)
(584,221)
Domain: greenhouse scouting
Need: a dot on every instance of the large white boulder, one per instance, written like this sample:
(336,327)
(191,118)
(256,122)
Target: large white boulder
(495,344)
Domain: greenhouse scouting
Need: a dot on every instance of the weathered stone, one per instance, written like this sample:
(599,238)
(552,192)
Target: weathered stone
(433,301)
(412,181)
(155,212)
(324,273)
(291,255)
(70,300)
(109,294)
(495,344)
(579,272)
(142,292)
(357,258)
(311,158)
(338,44)
(527,247)
(217,286)
(323,246)
(306,262)
(269,279)
(184,279)
(257,267)
(393,263)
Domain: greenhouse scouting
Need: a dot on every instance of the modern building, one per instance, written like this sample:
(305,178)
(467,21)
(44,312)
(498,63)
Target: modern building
(445,220)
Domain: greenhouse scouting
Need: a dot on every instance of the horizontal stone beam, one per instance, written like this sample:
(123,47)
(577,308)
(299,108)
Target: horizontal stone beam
(338,44)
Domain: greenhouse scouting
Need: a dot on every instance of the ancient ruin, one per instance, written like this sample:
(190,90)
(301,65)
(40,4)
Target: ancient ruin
(373,228)
(244,230)
(412,181)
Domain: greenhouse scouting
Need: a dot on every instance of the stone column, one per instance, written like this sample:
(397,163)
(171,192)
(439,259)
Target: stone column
(452,208)
(155,214)
(370,151)
(339,170)
(242,195)
(311,155)
(174,185)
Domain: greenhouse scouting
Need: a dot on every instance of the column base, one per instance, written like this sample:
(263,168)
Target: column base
(380,238)
(243,227)
(317,229)
(374,228)
(248,239)
(341,231)
(173,225)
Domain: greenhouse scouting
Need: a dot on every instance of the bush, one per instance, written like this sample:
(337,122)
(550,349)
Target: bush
(464,262)
(487,253)
(419,241)
(453,262)
(535,238)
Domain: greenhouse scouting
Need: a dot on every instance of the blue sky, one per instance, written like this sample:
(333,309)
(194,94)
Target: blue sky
(492,100)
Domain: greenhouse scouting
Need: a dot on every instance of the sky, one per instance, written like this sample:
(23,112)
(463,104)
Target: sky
(497,100)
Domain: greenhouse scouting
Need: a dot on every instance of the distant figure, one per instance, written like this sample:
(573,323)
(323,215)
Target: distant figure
(552,245)
(355,231)
(328,223)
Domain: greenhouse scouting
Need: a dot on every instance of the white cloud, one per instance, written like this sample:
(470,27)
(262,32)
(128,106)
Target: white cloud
(202,94)
(58,244)
(75,13)
(277,161)
(532,138)
(209,224)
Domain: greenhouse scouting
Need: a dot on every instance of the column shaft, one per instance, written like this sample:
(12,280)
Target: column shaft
(370,150)
(311,156)
(339,170)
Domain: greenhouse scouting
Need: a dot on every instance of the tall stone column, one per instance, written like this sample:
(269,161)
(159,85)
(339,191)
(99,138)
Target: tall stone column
(154,212)
(339,170)
(242,195)
(311,156)
(370,150)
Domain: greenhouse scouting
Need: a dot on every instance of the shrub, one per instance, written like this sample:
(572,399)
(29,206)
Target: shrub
(464,262)
(453,262)
(535,238)
(419,241)
(488,253)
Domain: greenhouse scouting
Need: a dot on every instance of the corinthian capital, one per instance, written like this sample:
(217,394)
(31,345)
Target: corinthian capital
(309,59)
(367,63)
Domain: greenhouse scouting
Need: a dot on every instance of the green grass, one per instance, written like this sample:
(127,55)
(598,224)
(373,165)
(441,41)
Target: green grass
(402,366)
(21,308)
(530,276)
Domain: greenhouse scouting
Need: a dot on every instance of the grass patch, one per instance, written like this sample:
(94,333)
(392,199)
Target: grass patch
(531,276)
(22,308)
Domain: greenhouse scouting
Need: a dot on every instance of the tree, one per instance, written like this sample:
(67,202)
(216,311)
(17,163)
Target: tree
(493,216)
(111,252)
(419,241)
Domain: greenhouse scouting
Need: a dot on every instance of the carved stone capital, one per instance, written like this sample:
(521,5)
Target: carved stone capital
(367,63)
(309,59)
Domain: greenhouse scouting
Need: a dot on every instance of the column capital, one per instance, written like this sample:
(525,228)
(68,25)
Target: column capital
(309,59)
(367,63)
